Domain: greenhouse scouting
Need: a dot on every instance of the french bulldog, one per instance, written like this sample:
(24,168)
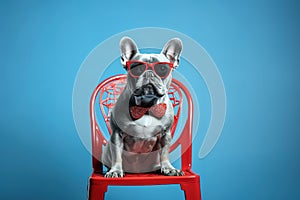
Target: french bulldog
(143,114)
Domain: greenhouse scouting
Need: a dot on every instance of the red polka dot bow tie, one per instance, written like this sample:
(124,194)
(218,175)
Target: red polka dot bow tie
(157,111)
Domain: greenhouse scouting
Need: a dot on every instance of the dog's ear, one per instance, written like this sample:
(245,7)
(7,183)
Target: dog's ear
(128,49)
(172,50)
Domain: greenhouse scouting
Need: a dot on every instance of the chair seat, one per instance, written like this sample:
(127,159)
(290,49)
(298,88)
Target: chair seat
(144,179)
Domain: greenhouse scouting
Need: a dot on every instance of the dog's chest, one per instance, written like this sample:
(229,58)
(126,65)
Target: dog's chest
(140,145)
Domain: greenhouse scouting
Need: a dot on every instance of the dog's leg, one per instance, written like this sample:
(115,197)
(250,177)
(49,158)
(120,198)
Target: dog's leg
(115,148)
(166,167)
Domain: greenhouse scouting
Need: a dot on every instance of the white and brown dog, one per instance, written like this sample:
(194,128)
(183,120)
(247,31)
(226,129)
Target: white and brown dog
(143,114)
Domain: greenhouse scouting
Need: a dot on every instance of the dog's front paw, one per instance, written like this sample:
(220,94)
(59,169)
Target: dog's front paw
(172,172)
(114,174)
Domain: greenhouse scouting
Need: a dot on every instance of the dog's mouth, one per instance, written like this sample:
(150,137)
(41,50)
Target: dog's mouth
(146,96)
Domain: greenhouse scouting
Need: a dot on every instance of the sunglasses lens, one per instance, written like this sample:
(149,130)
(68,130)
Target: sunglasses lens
(136,68)
(162,70)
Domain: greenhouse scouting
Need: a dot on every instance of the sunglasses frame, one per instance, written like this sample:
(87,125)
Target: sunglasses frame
(147,64)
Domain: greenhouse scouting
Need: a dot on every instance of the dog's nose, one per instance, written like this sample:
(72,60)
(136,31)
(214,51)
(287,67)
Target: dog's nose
(149,90)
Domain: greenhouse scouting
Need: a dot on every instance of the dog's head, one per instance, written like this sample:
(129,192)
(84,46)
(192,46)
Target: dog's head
(149,75)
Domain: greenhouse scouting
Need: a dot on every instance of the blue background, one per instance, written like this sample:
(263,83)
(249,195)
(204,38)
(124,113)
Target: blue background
(255,45)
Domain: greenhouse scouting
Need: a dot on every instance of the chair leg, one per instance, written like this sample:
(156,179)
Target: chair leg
(191,190)
(97,192)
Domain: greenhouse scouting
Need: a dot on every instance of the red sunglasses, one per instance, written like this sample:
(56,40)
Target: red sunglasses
(137,68)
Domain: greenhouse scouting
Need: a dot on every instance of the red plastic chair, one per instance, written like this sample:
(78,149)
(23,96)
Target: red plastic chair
(108,92)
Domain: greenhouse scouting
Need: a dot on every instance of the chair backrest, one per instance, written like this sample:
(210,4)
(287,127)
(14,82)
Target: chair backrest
(107,93)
